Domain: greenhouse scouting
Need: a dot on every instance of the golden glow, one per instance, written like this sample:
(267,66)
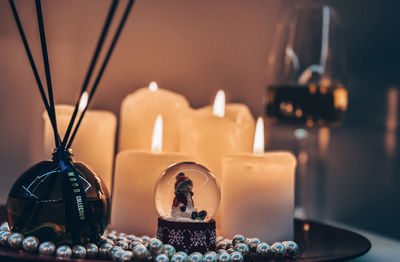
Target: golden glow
(83,102)
(313,88)
(306,227)
(324,135)
(258,146)
(299,112)
(323,89)
(309,122)
(153,87)
(391,120)
(219,104)
(340,98)
(157,141)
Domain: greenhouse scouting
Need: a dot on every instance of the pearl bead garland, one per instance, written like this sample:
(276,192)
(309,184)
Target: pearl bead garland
(123,247)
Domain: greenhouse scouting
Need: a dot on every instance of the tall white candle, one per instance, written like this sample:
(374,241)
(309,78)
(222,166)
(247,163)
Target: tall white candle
(215,131)
(258,193)
(136,174)
(138,111)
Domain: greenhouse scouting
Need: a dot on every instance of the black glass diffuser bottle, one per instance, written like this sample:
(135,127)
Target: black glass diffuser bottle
(59,200)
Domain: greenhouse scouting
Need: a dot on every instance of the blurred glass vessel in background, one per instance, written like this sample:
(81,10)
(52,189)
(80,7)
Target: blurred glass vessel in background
(306,72)
(306,69)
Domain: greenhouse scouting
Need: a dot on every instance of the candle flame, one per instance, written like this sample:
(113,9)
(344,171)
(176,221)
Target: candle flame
(219,104)
(153,87)
(258,146)
(84,100)
(156,143)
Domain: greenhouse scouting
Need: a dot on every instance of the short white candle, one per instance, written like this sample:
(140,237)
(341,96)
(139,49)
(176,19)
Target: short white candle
(94,143)
(258,193)
(136,174)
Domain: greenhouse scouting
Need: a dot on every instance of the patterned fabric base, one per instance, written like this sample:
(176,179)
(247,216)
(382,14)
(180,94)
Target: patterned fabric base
(188,236)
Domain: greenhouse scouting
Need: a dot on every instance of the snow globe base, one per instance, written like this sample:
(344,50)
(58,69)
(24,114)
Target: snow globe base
(188,236)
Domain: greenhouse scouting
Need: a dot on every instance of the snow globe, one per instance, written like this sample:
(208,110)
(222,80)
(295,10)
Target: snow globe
(187,196)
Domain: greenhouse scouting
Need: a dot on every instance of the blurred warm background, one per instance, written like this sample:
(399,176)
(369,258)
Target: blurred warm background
(198,47)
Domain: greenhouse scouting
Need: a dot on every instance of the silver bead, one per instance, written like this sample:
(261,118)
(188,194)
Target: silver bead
(5,227)
(230,251)
(104,239)
(178,258)
(125,239)
(112,236)
(224,257)
(122,234)
(184,254)
(210,257)
(78,251)
(161,258)
(140,252)
(264,250)
(195,257)
(4,238)
(30,244)
(292,249)
(237,257)
(168,250)
(145,239)
(91,250)
(123,244)
(219,239)
(242,248)
(126,256)
(253,244)
(138,239)
(15,240)
(238,239)
(105,249)
(117,254)
(279,250)
(220,251)
(223,244)
(131,237)
(63,251)
(135,243)
(47,248)
(114,249)
(155,246)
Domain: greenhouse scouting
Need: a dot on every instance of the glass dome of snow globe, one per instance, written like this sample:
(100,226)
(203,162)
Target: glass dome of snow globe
(187,191)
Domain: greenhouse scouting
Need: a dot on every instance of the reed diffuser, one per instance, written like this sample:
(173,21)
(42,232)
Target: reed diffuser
(60,200)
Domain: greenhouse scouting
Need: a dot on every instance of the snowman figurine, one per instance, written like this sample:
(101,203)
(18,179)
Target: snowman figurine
(183,205)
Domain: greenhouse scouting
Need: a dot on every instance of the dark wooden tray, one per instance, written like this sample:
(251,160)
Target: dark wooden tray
(318,242)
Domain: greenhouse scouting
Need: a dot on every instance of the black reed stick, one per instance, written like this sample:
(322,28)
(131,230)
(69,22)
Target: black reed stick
(39,16)
(100,43)
(103,67)
(34,69)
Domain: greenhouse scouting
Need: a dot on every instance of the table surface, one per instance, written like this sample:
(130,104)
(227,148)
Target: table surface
(383,248)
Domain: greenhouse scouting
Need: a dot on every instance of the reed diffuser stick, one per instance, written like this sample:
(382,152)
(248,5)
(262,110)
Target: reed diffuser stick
(103,67)
(34,69)
(39,16)
(100,43)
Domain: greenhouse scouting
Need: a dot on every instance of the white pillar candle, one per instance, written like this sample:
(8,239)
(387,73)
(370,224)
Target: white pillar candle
(94,143)
(138,111)
(215,131)
(258,193)
(136,174)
